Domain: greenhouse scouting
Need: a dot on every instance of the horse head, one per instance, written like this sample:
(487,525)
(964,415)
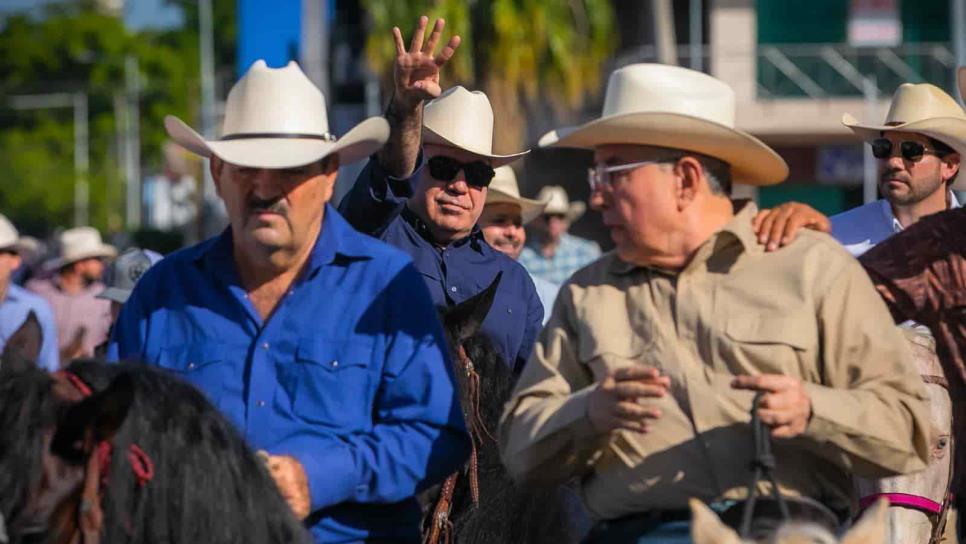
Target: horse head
(872,528)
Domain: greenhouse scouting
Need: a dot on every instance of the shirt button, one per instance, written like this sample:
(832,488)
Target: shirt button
(191,365)
(509,310)
(265,345)
(261,404)
(453,288)
(335,364)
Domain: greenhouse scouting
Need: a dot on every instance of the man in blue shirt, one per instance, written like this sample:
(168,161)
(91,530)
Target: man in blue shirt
(918,150)
(430,209)
(17,303)
(319,343)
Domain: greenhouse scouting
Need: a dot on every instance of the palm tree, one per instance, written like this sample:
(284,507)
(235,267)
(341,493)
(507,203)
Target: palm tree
(520,52)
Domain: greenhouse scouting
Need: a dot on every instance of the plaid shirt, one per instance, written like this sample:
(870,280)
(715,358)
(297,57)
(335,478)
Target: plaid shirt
(921,274)
(572,254)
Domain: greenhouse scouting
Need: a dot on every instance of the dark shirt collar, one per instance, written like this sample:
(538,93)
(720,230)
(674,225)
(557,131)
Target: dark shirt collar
(475,238)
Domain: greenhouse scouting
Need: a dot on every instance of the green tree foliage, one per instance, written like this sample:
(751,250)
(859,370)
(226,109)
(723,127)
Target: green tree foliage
(517,51)
(73,48)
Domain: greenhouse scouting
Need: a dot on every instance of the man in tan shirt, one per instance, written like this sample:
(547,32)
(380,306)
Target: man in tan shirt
(640,386)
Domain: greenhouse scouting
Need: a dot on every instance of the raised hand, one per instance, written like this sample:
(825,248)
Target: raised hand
(416,71)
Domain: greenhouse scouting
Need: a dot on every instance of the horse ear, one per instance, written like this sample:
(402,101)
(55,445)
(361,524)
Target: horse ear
(113,405)
(26,340)
(467,317)
(872,527)
(706,528)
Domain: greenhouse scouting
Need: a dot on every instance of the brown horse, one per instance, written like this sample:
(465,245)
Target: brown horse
(920,501)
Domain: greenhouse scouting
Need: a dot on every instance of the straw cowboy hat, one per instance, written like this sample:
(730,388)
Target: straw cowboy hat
(78,244)
(504,188)
(276,118)
(924,109)
(558,203)
(464,120)
(10,239)
(678,108)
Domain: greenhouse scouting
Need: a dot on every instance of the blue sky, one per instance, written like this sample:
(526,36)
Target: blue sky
(138,14)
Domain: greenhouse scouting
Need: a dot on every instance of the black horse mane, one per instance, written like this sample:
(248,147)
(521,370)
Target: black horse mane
(507,512)
(207,486)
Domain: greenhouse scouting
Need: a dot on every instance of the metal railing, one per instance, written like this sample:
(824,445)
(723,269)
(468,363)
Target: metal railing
(830,70)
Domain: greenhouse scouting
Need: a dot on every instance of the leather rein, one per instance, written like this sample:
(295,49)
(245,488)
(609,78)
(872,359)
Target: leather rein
(937,511)
(441,527)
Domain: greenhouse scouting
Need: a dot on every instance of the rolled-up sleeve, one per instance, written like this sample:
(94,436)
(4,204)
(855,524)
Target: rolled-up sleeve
(418,435)
(545,433)
(871,407)
(376,198)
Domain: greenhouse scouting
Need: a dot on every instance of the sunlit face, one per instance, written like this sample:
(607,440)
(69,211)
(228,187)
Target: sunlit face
(275,209)
(640,207)
(90,269)
(502,226)
(904,182)
(451,208)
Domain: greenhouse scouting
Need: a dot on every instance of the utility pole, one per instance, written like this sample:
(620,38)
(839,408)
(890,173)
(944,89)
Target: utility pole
(81,162)
(870,176)
(665,41)
(132,142)
(206,40)
(957,11)
(315,44)
(696,35)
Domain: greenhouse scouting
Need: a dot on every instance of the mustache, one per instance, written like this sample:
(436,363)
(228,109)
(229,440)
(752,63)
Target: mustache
(271,205)
(893,174)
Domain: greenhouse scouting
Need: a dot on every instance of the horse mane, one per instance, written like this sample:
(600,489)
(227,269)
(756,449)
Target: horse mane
(507,512)
(207,484)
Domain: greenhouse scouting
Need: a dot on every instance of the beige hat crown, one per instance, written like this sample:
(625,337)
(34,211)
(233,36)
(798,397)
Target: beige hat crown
(505,189)
(463,119)
(77,244)
(673,107)
(9,237)
(559,203)
(277,118)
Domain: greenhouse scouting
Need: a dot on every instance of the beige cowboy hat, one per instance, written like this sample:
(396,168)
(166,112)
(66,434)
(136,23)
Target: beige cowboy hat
(673,107)
(10,239)
(276,118)
(504,189)
(78,244)
(924,109)
(558,203)
(464,120)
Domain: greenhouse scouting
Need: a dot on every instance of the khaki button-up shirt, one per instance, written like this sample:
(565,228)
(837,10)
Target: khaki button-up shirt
(807,310)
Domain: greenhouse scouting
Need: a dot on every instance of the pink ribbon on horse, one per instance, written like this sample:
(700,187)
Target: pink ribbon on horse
(903,499)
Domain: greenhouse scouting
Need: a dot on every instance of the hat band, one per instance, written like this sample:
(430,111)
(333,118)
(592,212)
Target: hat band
(327,137)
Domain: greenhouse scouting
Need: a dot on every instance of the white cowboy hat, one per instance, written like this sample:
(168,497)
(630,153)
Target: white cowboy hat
(464,120)
(78,244)
(9,237)
(504,188)
(677,108)
(276,118)
(559,203)
(924,109)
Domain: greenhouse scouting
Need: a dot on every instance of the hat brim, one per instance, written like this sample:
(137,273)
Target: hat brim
(948,130)
(105,251)
(114,294)
(363,140)
(529,209)
(752,162)
(432,137)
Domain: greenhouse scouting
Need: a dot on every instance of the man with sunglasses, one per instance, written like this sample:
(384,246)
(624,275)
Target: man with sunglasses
(428,203)
(640,384)
(919,151)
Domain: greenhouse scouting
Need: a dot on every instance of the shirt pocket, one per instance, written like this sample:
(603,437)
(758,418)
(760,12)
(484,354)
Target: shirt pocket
(770,345)
(335,383)
(203,365)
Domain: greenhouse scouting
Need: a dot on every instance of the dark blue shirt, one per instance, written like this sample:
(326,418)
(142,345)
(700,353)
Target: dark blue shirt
(376,205)
(350,374)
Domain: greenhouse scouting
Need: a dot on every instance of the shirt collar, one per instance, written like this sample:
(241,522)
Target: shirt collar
(896,225)
(738,229)
(334,241)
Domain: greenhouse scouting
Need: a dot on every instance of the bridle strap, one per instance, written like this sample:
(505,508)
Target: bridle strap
(906,500)
(762,466)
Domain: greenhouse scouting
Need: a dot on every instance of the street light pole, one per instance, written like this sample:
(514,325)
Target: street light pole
(206,39)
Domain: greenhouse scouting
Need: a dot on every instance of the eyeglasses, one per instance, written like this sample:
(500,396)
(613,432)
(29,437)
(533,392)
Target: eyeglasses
(600,175)
(478,173)
(911,151)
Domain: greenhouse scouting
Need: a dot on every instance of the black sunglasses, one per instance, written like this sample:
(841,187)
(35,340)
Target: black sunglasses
(478,173)
(910,151)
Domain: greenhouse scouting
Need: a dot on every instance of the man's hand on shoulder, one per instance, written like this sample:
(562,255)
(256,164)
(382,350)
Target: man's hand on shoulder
(777,227)
(615,404)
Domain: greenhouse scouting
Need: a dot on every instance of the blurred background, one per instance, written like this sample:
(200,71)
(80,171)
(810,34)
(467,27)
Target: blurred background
(85,85)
